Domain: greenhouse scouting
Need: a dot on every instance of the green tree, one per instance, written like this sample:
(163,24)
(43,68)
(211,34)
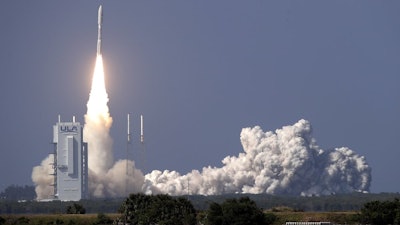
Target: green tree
(237,212)
(75,209)
(140,209)
(15,193)
(215,215)
(378,212)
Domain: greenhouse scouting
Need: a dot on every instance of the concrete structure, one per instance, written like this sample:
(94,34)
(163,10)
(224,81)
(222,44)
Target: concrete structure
(70,162)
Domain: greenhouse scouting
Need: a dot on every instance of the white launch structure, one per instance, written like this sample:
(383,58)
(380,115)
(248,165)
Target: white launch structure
(70,161)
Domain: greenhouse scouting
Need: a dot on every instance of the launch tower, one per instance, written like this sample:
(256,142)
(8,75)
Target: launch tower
(70,161)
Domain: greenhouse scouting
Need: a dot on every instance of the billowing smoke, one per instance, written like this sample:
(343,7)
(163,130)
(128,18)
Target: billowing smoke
(105,179)
(42,177)
(98,121)
(287,161)
(116,182)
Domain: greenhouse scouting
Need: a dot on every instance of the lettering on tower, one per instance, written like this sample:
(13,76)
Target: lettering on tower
(69,129)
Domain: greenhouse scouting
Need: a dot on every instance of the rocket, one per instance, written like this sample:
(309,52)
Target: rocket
(129,129)
(99,23)
(141,130)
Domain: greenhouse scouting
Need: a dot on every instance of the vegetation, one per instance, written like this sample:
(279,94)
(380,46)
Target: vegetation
(65,219)
(237,212)
(329,203)
(228,209)
(18,193)
(377,212)
(57,207)
(103,219)
(158,209)
(332,203)
(333,217)
(76,209)
(93,219)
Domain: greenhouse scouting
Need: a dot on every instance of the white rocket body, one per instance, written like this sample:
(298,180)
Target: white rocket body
(141,130)
(99,23)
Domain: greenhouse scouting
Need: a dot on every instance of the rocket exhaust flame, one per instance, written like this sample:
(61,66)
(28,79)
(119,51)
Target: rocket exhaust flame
(105,179)
(287,161)
(97,123)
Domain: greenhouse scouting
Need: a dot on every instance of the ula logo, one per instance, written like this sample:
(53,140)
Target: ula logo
(69,129)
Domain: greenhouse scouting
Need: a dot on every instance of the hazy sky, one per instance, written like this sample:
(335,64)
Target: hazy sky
(199,72)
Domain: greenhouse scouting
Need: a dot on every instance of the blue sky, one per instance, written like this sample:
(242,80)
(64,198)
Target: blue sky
(199,72)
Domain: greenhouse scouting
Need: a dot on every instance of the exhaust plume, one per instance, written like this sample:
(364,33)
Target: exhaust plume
(98,123)
(105,179)
(287,161)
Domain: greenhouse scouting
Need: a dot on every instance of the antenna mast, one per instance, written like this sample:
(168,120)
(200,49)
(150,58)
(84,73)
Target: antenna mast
(128,143)
(142,153)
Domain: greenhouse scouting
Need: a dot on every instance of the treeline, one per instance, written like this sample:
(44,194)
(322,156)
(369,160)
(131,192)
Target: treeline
(344,202)
(59,207)
(18,193)
(140,209)
(236,212)
(381,212)
(329,203)
(158,209)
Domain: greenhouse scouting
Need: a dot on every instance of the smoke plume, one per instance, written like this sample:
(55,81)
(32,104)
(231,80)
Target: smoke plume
(287,161)
(41,176)
(98,121)
(105,179)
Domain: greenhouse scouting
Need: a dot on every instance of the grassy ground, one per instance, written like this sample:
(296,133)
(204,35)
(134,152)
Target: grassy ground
(334,217)
(87,219)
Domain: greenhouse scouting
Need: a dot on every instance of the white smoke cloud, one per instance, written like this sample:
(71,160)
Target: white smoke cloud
(41,176)
(106,179)
(287,161)
(98,122)
(117,181)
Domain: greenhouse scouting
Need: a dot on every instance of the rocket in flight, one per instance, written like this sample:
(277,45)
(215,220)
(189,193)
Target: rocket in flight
(99,23)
